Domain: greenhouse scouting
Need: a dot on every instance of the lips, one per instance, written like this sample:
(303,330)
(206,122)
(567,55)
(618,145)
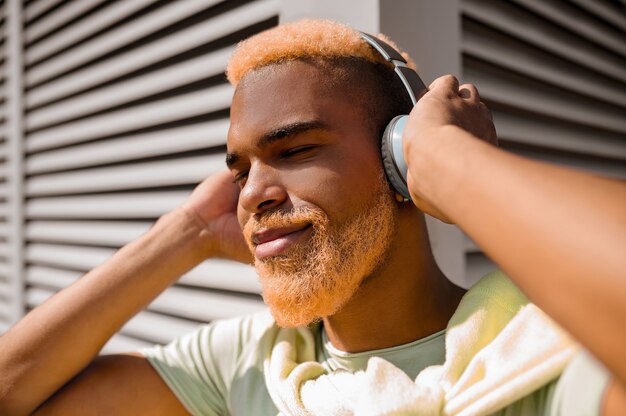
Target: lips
(275,241)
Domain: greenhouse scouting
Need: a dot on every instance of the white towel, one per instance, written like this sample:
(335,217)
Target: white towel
(499,348)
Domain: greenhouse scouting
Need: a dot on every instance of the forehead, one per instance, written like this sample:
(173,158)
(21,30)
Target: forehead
(287,93)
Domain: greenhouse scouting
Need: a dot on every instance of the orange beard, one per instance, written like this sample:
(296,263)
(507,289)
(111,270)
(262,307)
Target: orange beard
(318,276)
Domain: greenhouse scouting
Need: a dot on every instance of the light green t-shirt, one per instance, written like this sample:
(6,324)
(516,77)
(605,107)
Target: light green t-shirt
(218,370)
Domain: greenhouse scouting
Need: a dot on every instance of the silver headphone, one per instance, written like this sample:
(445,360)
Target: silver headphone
(391,144)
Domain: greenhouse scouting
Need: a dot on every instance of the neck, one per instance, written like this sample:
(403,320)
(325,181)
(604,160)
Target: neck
(405,299)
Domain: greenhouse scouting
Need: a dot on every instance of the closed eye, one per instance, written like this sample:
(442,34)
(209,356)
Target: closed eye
(297,151)
(240,178)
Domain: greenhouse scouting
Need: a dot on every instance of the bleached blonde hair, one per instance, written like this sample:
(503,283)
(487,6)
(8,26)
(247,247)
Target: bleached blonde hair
(308,38)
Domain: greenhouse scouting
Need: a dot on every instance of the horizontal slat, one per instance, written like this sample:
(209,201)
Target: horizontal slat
(510,20)
(116,38)
(187,303)
(604,11)
(603,167)
(224,275)
(66,256)
(6,312)
(5,269)
(518,57)
(49,260)
(156,328)
(119,344)
(35,296)
(107,233)
(7,291)
(179,42)
(133,176)
(162,142)
(578,22)
(122,121)
(50,277)
(64,14)
(533,98)
(537,131)
(113,206)
(39,7)
(153,83)
(82,29)
(204,306)
(4,230)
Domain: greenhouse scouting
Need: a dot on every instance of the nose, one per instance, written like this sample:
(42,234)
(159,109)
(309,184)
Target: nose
(262,190)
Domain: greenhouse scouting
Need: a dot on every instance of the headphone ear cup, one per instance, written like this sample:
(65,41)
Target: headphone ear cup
(393,156)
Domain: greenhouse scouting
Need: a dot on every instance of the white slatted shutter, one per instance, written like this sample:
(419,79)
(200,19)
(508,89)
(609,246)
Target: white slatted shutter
(126,110)
(6,292)
(554,74)
(11,158)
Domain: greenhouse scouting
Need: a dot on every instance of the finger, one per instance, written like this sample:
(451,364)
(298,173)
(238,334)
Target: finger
(446,85)
(469,92)
(485,111)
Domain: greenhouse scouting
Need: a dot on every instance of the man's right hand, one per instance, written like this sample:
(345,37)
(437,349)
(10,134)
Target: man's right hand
(214,202)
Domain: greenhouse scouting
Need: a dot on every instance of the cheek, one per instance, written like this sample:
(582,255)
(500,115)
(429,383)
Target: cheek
(341,189)
(242,215)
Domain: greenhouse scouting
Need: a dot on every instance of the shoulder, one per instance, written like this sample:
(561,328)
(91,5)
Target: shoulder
(199,367)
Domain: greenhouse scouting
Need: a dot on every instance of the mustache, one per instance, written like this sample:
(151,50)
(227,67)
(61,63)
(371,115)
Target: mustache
(282,218)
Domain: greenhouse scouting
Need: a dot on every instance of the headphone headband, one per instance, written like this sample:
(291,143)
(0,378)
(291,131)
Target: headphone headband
(412,82)
(391,143)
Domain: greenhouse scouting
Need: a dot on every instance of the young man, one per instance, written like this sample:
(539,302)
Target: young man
(331,241)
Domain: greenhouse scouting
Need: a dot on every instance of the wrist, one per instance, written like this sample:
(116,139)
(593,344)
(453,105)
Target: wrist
(184,229)
(438,162)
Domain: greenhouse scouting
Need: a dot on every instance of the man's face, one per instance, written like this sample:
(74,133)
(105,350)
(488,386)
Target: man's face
(315,208)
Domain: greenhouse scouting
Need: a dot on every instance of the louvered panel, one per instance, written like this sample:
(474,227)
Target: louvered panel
(511,54)
(120,36)
(538,131)
(525,26)
(68,12)
(194,305)
(126,110)
(577,21)
(169,110)
(129,176)
(67,262)
(188,39)
(611,13)
(157,328)
(137,146)
(555,77)
(106,206)
(35,9)
(172,77)
(106,233)
(115,12)
(510,90)
(8,279)
(205,306)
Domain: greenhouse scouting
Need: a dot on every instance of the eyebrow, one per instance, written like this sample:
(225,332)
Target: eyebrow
(281,133)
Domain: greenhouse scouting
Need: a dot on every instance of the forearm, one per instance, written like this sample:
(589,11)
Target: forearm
(59,338)
(558,233)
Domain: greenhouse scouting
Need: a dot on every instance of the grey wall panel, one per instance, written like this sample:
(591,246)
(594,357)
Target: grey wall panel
(554,74)
(126,109)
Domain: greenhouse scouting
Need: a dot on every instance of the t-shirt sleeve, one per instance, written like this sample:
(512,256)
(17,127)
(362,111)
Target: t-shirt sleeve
(198,367)
(580,389)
